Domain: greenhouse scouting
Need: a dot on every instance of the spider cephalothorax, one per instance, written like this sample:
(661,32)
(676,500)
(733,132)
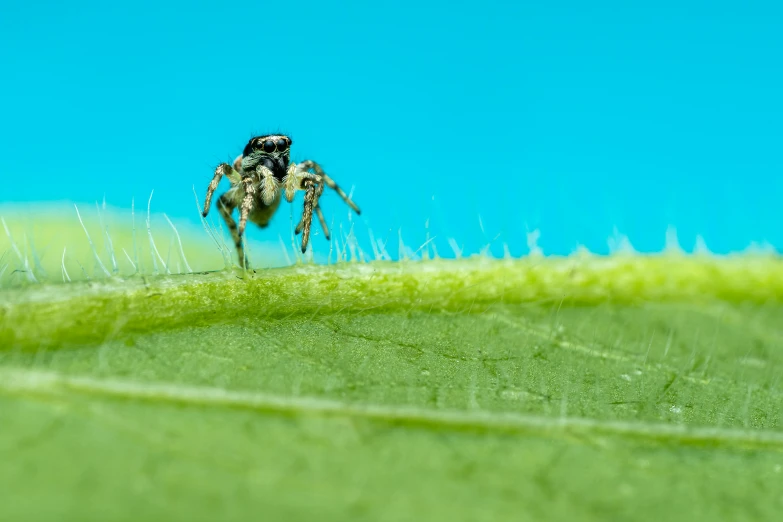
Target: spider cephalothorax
(257,177)
(270,151)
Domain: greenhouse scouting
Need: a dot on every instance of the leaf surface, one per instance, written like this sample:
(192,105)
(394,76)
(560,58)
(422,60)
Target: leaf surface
(584,388)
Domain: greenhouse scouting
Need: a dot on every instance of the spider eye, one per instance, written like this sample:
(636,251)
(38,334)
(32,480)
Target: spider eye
(282,144)
(269,146)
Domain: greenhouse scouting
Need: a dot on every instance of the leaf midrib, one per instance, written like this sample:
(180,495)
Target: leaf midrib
(83,313)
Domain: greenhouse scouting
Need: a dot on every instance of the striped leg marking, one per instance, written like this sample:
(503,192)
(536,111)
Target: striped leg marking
(224,169)
(310,164)
(226,207)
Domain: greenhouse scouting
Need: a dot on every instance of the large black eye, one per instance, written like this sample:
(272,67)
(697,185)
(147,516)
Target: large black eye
(269,146)
(282,144)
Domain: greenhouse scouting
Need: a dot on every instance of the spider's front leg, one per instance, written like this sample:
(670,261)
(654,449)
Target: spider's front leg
(226,206)
(247,203)
(298,178)
(324,226)
(312,191)
(310,164)
(312,179)
(224,169)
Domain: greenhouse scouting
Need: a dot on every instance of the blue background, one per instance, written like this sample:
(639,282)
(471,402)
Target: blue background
(578,119)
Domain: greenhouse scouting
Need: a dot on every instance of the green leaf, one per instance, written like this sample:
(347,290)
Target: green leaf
(580,388)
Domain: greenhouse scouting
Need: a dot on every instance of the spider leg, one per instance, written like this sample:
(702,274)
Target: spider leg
(226,206)
(247,203)
(224,169)
(310,164)
(310,202)
(321,218)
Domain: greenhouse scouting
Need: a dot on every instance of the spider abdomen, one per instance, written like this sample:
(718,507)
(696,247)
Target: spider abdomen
(262,213)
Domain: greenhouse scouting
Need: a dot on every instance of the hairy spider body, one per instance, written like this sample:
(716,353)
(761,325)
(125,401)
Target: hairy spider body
(259,177)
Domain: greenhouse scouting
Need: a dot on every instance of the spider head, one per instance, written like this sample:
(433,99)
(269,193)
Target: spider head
(272,145)
(271,151)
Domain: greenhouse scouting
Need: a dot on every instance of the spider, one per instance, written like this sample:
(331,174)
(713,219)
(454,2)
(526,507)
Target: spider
(257,176)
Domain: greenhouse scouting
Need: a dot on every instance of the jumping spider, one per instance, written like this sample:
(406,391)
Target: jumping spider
(257,176)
